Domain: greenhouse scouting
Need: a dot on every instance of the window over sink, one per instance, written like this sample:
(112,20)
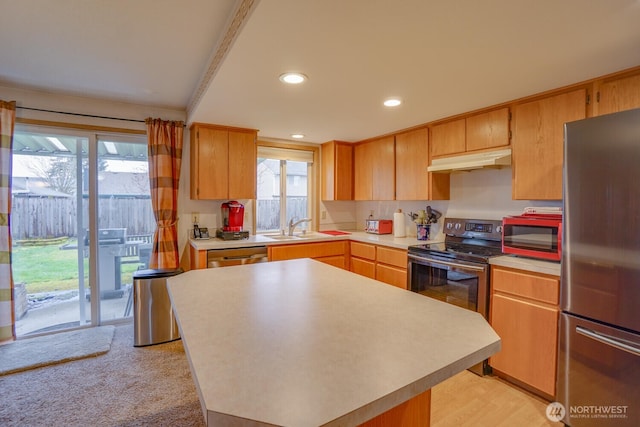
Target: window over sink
(285,185)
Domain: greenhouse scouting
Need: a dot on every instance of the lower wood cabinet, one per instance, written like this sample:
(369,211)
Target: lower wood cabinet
(333,253)
(389,265)
(524,313)
(197,259)
(362,259)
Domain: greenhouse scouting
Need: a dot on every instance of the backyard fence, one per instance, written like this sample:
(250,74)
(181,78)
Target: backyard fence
(49,217)
(268,212)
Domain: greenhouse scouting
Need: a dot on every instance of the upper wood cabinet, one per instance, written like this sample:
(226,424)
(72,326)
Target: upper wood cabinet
(374,169)
(537,146)
(413,182)
(223,162)
(488,130)
(448,138)
(478,132)
(617,95)
(337,171)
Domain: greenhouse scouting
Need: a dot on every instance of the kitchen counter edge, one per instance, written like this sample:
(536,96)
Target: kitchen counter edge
(358,236)
(527,264)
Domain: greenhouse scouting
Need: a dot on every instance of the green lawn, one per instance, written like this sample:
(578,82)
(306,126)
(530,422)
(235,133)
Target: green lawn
(45,268)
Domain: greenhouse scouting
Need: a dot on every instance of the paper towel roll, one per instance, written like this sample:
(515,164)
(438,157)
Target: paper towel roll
(398,224)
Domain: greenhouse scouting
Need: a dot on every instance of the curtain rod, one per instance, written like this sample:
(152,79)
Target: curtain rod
(80,114)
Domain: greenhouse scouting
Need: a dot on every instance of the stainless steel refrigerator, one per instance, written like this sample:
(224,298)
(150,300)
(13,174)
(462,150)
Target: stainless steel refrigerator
(599,344)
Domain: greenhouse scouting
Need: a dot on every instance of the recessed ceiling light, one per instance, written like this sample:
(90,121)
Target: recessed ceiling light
(297,136)
(293,78)
(392,102)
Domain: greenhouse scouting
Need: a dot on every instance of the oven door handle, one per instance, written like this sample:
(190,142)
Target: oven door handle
(446,263)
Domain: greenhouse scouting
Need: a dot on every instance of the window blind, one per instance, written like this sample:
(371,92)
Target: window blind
(285,154)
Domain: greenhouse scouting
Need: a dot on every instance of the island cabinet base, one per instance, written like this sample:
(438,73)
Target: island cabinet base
(415,412)
(299,343)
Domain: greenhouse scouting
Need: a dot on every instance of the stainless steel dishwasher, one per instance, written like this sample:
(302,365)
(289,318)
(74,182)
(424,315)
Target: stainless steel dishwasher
(236,256)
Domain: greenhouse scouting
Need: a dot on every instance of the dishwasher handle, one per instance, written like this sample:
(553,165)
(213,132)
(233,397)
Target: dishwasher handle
(240,257)
(236,256)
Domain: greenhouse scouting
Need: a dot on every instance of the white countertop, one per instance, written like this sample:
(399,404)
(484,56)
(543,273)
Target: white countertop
(522,263)
(315,236)
(528,264)
(302,343)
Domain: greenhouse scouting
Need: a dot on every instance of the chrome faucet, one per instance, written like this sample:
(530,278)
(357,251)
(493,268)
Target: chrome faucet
(292,225)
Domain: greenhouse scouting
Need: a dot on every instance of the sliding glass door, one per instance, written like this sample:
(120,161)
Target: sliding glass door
(125,221)
(81,225)
(49,218)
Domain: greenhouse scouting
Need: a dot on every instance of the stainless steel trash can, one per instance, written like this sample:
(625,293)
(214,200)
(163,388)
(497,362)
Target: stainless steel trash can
(153,318)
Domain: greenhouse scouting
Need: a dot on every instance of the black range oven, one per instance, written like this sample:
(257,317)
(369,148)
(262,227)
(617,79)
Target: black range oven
(457,270)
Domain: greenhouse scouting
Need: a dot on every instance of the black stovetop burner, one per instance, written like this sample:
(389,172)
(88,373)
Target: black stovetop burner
(465,239)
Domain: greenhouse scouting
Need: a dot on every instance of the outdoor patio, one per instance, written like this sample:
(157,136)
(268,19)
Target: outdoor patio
(59,310)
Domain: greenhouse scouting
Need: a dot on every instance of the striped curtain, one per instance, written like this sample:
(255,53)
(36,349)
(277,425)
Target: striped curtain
(7,120)
(165,158)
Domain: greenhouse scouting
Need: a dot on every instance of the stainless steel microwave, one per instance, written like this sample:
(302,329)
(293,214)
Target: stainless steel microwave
(533,236)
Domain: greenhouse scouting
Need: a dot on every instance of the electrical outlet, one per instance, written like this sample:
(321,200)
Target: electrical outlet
(195,218)
(323,215)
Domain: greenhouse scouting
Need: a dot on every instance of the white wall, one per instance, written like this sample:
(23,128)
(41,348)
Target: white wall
(479,194)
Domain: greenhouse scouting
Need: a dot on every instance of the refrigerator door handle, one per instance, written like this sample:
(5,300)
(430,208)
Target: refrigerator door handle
(608,340)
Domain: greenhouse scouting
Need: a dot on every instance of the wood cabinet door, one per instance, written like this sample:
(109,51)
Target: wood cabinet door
(529,341)
(327,171)
(363,250)
(209,163)
(538,287)
(383,171)
(344,172)
(363,171)
(392,256)
(448,138)
(488,130)
(412,160)
(307,250)
(618,95)
(197,259)
(537,146)
(363,267)
(337,171)
(336,261)
(392,275)
(242,165)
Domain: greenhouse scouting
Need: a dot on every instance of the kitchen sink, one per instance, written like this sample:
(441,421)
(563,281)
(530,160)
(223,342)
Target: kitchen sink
(306,235)
(294,237)
(280,237)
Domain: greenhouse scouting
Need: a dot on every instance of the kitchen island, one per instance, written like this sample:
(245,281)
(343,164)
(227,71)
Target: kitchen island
(302,343)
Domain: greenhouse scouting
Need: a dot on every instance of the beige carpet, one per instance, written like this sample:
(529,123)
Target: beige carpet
(31,353)
(127,386)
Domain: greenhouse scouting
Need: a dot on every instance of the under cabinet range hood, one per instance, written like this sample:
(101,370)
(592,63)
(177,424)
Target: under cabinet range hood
(467,162)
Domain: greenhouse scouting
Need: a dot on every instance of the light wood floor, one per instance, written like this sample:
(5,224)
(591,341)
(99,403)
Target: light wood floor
(469,400)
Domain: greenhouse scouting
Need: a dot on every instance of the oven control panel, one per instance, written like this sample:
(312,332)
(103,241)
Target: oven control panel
(473,228)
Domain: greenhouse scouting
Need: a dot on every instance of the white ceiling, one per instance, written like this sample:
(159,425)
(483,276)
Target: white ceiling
(441,57)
